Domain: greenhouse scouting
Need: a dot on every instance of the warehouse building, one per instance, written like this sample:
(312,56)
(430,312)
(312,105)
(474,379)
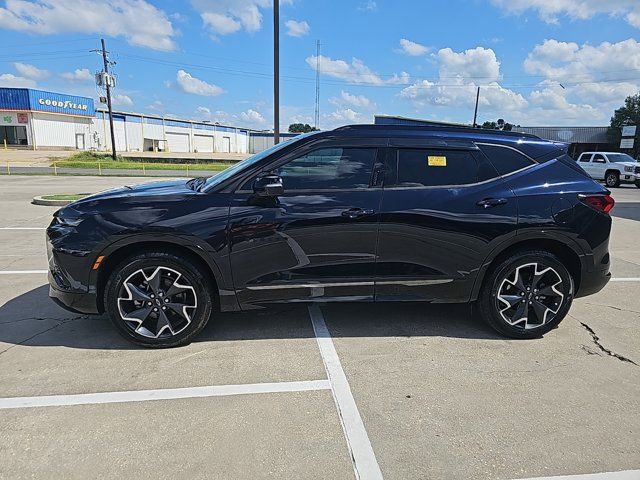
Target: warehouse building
(43,120)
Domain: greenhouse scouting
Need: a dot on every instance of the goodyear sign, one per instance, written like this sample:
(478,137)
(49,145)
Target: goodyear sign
(27,99)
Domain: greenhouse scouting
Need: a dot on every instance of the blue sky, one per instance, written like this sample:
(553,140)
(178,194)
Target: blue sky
(538,62)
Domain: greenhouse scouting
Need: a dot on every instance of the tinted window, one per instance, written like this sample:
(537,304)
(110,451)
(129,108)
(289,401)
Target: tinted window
(429,168)
(586,157)
(597,158)
(329,168)
(506,160)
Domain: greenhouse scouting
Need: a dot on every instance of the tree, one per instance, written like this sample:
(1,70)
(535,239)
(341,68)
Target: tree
(499,125)
(301,128)
(628,114)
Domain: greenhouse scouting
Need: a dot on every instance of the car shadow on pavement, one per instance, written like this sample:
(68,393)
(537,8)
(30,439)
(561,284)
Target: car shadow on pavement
(628,210)
(32,319)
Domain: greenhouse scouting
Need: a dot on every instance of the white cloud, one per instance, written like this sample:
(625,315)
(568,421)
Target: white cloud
(122,100)
(78,75)
(30,71)
(203,112)
(412,48)
(347,98)
(355,72)
(156,105)
(252,117)
(297,29)
(459,75)
(346,115)
(190,84)
(9,80)
(139,22)
(368,6)
(229,16)
(550,10)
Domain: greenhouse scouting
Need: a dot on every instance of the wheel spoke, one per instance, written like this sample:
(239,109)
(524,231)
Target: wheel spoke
(548,291)
(163,324)
(511,300)
(154,280)
(176,288)
(179,309)
(521,314)
(140,314)
(137,293)
(540,310)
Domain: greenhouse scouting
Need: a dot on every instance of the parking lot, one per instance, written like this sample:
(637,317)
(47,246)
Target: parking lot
(404,391)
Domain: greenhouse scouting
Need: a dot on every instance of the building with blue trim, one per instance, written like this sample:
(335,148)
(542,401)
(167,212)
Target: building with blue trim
(38,119)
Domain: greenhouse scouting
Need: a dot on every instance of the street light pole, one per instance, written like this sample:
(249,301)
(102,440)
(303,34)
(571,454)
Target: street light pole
(276,71)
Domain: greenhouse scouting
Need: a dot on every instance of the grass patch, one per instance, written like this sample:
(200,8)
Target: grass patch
(95,161)
(65,196)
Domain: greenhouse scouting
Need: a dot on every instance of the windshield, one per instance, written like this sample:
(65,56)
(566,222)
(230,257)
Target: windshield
(248,162)
(619,157)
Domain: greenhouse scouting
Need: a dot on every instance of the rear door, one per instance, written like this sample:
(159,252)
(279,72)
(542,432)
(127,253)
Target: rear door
(443,209)
(316,241)
(585,162)
(598,166)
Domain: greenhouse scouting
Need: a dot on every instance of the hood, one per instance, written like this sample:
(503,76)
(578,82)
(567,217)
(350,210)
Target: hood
(150,189)
(629,164)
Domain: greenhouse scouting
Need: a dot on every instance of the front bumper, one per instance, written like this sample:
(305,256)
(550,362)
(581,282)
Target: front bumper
(74,302)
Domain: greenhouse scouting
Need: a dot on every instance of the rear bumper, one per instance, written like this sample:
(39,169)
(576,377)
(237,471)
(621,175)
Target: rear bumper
(592,282)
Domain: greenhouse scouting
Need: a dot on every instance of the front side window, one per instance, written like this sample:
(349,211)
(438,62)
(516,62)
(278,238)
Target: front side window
(329,168)
(434,168)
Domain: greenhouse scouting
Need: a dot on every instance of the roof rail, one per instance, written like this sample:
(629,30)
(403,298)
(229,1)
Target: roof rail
(436,127)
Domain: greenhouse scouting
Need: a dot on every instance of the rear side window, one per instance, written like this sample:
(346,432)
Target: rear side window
(433,168)
(506,160)
(598,158)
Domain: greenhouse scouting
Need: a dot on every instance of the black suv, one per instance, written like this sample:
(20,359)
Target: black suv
(361,213)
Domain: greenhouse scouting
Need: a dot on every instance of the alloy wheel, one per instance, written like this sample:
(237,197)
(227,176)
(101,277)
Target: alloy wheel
(157,302)
(530,296)
(612,180)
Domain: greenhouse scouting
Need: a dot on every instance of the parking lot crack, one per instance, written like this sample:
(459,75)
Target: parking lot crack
(613,307)
(60,323)
(602,348)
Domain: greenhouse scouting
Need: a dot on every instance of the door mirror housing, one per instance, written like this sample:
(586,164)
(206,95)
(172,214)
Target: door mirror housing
(268,186)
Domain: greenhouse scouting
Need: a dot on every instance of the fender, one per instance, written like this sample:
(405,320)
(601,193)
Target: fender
(520,237)
(217,263)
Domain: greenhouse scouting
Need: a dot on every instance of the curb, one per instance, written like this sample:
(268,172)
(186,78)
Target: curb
(50,203)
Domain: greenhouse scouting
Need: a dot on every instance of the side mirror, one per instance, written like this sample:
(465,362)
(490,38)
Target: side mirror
(268,186)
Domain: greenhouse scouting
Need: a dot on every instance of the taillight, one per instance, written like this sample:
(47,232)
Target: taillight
(604,203)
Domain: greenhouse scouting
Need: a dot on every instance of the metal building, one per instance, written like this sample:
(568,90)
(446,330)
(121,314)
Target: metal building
(38,119)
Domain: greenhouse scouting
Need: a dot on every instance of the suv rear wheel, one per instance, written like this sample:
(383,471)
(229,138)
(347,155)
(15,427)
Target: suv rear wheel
(612,179)
(526,295)
(157,299)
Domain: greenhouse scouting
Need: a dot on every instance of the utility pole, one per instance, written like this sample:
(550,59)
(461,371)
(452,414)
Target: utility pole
(276,72)
(317,115)
(108,85)
(475,114)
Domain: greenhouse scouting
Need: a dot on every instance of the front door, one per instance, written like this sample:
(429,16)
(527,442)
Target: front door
(442,212)
(80,141)
(316,241)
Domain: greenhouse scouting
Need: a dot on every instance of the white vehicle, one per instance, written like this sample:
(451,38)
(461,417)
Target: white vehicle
(612,167)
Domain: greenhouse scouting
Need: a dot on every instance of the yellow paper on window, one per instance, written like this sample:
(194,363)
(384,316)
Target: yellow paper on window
(434,161)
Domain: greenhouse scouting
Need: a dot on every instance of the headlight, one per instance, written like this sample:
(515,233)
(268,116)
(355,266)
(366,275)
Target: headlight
(68,217)
(628,169)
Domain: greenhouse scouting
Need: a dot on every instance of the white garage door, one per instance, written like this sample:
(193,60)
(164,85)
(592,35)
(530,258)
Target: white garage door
(120,133)
(178,142)
(203,143)
(226,144)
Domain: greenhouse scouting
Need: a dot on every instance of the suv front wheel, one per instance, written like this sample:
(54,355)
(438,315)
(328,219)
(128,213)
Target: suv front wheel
(526,295)
(612,179)
(157,299)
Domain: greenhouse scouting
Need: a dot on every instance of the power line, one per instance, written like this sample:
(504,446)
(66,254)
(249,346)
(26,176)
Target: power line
(317,112)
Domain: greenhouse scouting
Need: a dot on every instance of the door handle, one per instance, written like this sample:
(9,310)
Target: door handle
(357,212)
(491,202)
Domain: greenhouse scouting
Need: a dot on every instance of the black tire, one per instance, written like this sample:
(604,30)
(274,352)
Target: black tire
(501,277)
(195,289)
(612,179)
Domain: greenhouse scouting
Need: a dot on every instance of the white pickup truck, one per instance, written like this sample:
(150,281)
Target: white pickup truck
(612,167)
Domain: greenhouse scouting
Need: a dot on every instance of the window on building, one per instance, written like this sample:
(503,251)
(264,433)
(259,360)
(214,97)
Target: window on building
(506,160)
(329,168)
(13,135)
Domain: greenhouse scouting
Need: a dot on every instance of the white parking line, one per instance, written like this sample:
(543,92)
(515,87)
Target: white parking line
(162,394)
(628,279)
(21,272)
(23,228)
(364,460)
(621,475)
